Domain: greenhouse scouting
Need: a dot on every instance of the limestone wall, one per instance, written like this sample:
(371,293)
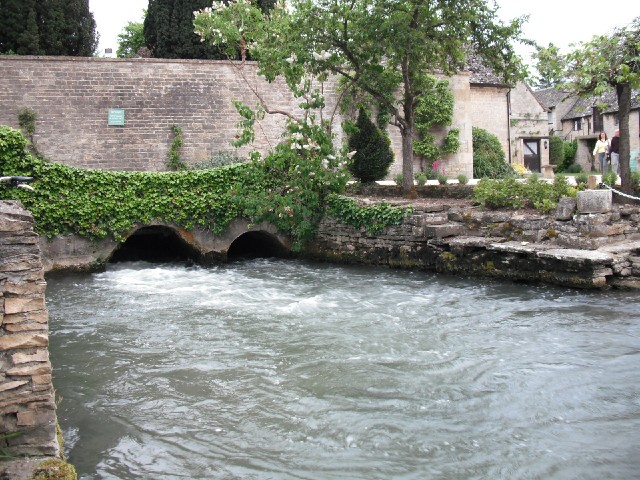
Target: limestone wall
(589,250)
(72,96)
(27,405)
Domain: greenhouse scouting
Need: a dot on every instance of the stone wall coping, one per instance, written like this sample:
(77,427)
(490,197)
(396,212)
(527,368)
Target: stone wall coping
(51,58)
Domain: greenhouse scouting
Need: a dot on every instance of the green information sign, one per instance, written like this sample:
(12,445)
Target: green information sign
(116,117)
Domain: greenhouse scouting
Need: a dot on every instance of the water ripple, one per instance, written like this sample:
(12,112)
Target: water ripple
(291,370)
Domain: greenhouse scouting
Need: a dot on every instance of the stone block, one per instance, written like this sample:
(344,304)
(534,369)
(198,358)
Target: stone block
(22,304)
(566,208)
(594,201)
(442,231)
(23,340)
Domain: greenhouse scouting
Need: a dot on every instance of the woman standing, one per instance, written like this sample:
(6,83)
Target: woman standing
(600,151)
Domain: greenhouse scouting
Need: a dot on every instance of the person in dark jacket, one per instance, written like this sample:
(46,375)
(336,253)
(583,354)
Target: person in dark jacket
(615,154)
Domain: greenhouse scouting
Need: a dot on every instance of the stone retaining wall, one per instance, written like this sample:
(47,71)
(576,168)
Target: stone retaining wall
(591,250)
(27,405)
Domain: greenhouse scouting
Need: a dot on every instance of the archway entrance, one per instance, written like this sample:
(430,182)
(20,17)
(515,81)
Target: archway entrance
(155,244)
(256,245)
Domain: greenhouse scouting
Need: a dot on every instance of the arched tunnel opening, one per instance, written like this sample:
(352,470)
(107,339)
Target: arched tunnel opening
(157,244)
(256,245)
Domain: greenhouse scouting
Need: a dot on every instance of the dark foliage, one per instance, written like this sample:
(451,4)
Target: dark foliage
(47,27)
(488,157)
(168,29)
(373,151)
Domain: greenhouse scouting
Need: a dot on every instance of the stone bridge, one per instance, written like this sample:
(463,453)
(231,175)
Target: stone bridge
(162,241)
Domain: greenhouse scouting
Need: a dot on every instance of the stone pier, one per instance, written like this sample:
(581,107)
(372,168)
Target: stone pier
(27,405)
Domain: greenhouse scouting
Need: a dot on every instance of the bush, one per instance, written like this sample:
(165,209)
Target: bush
(488,157)
(462,179)
(399,178)
(373,151)
(635,179)
(610,178)
(569,150)
(421,178)
(556,150)
(574,168)
(287,188)
(511,193)
(581,178)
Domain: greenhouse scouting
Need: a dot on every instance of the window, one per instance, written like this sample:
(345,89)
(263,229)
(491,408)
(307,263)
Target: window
(577,124)
(598,121)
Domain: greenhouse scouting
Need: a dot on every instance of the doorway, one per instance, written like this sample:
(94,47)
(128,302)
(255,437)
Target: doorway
(532,154)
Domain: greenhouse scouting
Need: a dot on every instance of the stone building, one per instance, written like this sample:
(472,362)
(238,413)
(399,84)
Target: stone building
(514,115)
(582,119)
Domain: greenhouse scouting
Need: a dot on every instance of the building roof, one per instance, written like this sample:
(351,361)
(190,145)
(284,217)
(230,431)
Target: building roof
(550,97)
(481,73)
(607,103)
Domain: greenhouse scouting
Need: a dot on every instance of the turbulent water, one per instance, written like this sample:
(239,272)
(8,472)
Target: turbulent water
(274,369)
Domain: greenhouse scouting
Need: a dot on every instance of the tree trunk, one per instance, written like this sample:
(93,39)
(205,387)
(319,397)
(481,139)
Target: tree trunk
(408,187)
(623,91)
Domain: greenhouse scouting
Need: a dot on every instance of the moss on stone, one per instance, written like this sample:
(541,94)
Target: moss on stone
(54,469)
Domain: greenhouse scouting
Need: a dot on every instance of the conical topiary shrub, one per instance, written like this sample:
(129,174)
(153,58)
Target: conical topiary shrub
(373,151)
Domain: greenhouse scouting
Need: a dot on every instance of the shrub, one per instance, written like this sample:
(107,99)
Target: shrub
(373,150)
(174,162)
(442,179)
(556,150)
(488,157)
(399,178)
(569,150)
(511,193)
(581,178)
(462,179)
(371,217)
(574,168)
(27,121)
(610,178)
(421,178)
(635,178)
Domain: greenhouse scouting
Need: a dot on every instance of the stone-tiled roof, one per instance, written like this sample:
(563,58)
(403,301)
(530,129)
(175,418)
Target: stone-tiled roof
(584,106)
(481,73)
(550,97)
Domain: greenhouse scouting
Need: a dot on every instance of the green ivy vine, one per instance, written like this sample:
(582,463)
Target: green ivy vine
(435,108)
(374,218)
(290,188)
(174,162)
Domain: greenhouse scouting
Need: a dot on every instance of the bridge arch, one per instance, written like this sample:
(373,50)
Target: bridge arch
(155,243)
(72,252)
(256,244)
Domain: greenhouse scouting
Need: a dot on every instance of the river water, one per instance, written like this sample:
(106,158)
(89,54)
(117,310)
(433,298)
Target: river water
(283,369)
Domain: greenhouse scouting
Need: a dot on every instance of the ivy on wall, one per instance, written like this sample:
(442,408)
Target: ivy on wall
(374,218)
(289,188)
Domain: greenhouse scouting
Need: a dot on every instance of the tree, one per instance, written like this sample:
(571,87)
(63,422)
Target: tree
(373,150)
(168,29)
(384,49)
(610,62)
(48,27)
(549,66)
(130,40)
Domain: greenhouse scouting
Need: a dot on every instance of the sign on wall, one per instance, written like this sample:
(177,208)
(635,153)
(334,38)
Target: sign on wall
(116,117)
